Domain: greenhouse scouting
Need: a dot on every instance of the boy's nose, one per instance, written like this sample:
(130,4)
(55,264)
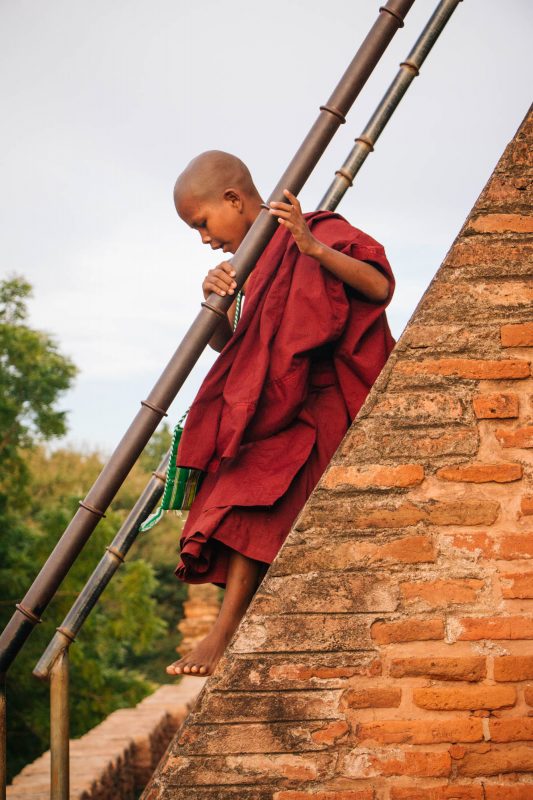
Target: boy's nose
(205,237)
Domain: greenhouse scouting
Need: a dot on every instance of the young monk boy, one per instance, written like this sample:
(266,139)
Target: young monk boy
(274,407)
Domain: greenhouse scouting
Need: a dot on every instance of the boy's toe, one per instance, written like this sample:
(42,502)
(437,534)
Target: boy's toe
(203,670)
(194,668)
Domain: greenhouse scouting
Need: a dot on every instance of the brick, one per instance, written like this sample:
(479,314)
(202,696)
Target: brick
(255,769)
(501,223)
(372,697)
(480,544)
(526,505)
(468,368)
(269,737)
(471,668)
(341,555)
(511,730)
(519,545)
(506,189)
(465,512)
(407,550)
(437,792)
(442,592)
(481,473)
(374,476)
(528,695)
(341,591)
(464,697)
(517,585)
(258,706)
(517,335)
(478,628)
(409,630)
(426,731)
(508,792)
(423,765)
(419,408)
(301,632)
(331,733)
(496,405)
(476,250)
(497,762)
(513,668)
(506,546)
(520,437)
(337,794)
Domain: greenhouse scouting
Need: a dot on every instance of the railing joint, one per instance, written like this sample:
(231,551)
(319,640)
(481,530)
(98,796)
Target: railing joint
(116,553)
(367,142)
(398,17)
(66,633)
(88,507)
(335,111)
(154,408)
(411,65)
(345,174)
(214,309)
(33,618)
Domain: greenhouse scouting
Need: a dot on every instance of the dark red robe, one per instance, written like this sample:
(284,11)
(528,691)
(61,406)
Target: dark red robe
(278,400)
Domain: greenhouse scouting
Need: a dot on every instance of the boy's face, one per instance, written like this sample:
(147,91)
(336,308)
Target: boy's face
(220,224)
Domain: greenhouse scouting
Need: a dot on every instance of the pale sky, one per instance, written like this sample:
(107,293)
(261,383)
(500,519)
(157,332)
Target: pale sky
(105,102)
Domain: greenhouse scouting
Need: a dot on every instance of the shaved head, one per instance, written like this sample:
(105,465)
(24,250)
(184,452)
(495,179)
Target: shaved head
(210,174)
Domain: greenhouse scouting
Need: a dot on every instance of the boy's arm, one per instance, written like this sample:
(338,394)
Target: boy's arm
(358,274)
(221,281)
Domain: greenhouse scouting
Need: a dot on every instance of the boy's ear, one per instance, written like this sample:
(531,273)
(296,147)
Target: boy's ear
(234,197)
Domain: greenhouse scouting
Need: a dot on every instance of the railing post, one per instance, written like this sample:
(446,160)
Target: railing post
(3,741)
(59,729)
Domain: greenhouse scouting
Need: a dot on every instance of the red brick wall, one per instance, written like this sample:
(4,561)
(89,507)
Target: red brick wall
(388,654)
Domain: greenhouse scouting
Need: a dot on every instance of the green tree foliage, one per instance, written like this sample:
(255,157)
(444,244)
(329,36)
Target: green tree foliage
(39,492)
(33,375)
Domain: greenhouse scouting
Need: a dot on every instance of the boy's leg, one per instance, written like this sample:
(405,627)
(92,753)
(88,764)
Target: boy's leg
(244,576)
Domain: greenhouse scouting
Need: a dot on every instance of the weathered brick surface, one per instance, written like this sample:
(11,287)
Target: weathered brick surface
(513,668)
(470,668)
(464,697)
(387,654)
(496,405)
(517,335)
(520,437)
(444,592)
(482,473)
(420,731)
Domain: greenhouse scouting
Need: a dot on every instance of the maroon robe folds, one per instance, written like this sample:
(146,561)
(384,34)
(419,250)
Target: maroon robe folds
(275,405)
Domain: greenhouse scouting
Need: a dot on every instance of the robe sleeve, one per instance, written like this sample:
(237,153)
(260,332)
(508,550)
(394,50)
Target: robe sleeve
(366,342)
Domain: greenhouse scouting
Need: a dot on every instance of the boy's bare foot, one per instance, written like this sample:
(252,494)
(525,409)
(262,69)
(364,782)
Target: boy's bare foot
(203,659)
(244,576)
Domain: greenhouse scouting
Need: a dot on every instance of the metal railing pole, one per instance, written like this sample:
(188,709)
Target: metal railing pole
(3,738)
(409,69)
(331,116)
(59,729)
